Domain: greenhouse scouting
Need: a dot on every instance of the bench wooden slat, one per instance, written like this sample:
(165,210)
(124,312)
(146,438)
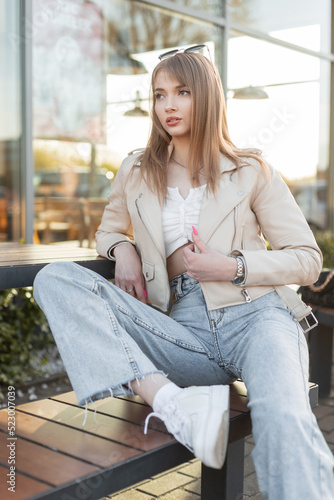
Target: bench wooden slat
(53,468)
(25,486)
(123,409)
(76,443)
(138,411)
(239,403)
(19,263)
(233,413)
(126,433)
(12,252)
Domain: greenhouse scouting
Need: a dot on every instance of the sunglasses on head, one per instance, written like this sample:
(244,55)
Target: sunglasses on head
(188,50)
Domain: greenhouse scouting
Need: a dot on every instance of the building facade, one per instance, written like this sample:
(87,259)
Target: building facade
(74,99)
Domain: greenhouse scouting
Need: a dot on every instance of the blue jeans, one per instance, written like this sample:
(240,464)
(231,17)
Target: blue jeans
(107,338)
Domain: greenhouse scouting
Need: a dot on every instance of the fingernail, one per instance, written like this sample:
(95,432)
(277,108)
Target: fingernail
(145,293)
(195,230)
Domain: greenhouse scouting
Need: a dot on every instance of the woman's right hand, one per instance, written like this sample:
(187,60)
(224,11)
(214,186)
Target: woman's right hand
(128,271)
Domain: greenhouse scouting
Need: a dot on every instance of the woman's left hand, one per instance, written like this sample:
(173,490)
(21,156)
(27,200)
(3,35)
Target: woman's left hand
(208,265)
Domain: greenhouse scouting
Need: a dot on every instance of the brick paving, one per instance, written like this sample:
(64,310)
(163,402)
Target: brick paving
(184,482)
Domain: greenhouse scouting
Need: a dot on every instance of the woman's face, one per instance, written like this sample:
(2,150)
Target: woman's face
(173,105)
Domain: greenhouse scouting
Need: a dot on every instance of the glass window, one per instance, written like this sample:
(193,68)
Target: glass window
(210,7)
(10,122)
(278,101)
(92,62)
(301,22)
(91,78)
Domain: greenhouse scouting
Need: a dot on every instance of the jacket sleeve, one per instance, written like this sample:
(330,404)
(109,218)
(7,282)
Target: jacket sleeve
(116,224)
(295,257)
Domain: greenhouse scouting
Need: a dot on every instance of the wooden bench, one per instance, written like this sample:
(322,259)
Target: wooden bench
(58,459)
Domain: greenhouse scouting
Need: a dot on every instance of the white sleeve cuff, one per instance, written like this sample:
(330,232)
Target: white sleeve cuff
(110,256)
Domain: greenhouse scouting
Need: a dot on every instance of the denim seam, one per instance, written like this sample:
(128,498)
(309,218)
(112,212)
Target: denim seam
(157,332)
(182,291)
(214,332)
(95,287)
(301,362)
(227,366)
(221,317)
(131,359)
(118,334)
(322,476)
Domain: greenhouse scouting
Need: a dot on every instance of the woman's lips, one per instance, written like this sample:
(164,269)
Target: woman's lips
(171,121)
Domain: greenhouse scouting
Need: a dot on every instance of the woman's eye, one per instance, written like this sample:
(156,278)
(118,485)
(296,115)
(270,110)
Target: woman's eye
(184,92)
(158,96)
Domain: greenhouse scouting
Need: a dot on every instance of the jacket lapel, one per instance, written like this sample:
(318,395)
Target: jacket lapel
(215,208)
(149,210)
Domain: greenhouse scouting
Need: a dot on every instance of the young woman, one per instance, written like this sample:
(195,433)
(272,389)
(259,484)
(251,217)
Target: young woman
(184,224)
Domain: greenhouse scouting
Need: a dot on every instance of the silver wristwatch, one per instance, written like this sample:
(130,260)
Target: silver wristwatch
(240,276)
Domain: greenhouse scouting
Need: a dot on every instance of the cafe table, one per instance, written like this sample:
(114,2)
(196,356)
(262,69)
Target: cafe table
(19,262)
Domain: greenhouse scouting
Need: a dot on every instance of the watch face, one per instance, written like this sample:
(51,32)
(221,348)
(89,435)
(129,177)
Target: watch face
(238,280)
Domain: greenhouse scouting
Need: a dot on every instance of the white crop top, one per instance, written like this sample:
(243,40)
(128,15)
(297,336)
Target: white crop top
(178,215)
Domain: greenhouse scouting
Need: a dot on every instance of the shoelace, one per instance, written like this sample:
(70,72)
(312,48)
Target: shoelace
(176,421)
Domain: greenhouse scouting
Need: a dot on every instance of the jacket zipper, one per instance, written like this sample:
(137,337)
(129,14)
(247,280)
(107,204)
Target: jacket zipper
(245,293)
(140,215)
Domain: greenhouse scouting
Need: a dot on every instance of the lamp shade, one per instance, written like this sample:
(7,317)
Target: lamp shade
(137,110)
(250,93)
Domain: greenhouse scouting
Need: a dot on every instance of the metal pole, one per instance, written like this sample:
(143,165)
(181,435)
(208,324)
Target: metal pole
(330,194)
(225,39)
(27,160)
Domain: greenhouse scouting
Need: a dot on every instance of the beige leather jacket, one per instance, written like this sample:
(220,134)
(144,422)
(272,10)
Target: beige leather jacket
(229,222)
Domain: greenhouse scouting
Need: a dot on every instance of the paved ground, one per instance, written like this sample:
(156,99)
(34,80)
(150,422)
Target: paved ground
(184,482)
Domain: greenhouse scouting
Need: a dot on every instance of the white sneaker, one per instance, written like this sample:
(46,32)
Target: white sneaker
(199,418)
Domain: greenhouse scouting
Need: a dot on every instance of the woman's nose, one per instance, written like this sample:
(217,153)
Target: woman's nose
(170,105)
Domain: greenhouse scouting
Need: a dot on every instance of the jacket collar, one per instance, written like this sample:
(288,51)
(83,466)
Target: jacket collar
(226,165)
(213,210)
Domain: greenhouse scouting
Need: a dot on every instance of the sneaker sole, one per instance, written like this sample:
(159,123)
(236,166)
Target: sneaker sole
(211,445)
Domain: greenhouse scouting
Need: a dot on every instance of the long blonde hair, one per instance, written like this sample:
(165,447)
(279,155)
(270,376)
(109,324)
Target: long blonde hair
(209,135)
